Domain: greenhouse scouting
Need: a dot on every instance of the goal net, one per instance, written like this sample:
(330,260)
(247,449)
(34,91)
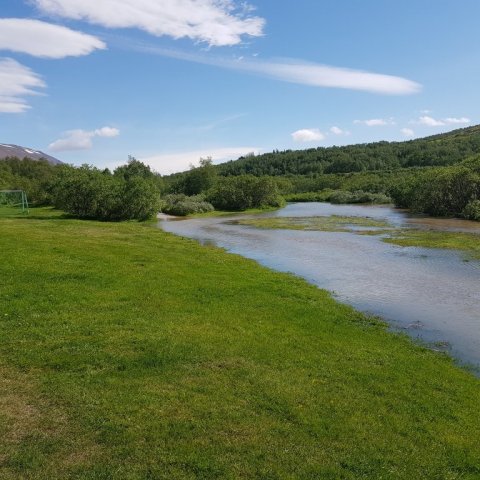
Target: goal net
(13,202)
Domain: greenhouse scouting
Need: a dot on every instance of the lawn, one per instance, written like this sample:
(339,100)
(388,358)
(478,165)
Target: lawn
(128,353)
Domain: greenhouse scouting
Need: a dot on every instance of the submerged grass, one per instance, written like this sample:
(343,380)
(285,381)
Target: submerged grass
(465,242)
(333,223)
(128,353)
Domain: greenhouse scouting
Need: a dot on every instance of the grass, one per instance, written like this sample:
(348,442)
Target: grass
(128,353)
(223,213)
(333,223)
(9,211)
(465,242)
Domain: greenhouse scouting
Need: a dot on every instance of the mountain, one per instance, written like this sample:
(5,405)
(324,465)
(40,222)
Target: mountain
(437,150)
(7,150)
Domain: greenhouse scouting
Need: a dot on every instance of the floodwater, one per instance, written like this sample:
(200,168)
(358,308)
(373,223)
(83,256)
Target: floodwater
(431,294)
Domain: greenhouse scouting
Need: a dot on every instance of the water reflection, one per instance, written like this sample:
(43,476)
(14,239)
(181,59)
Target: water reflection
(432,294)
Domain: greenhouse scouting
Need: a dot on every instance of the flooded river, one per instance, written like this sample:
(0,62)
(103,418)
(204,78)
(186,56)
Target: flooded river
(431,294)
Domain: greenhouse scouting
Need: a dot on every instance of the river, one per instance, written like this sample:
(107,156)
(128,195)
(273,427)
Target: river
(431,294)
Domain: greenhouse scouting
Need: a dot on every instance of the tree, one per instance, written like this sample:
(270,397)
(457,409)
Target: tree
(200,179)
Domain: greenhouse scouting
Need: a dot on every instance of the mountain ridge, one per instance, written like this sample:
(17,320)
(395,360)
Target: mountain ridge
(8,150)
(435,150)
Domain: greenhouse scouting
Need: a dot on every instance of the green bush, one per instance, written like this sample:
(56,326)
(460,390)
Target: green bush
(322,196)
(342,196)
(182,205)
(87,192)
(472,210)
(243,192)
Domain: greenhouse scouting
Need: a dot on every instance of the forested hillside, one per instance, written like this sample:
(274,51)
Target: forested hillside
(438,150)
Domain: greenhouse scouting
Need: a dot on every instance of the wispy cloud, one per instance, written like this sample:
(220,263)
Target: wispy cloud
(81,139)
(338,131)
(407,132)
(216,22)
(17,82)
(308,135)
(295,71)
(375,122)
(454,121)
(166,163)
(206,127)
(42,39)
(432,122)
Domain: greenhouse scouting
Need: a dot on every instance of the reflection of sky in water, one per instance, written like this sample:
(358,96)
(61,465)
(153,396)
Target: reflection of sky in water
(403,284)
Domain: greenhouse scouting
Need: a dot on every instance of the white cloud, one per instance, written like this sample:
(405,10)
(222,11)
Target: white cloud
(216,22)
(298,71)
(339,131)
(432,122)
(318,75)
(107,132)
(42,39)
(453,121)
(408,132)
(81,139)
(16,83)
(166,163)
(308,135)
(375,122)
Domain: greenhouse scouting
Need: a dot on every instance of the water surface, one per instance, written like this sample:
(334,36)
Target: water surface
(431,294)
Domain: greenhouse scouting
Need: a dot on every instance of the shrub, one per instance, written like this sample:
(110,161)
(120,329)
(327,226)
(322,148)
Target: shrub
(342,196)
(243,192)
(472,210)
(182,205)
(87,192)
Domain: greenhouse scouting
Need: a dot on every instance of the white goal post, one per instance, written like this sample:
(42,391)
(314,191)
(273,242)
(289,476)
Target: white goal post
(14,199)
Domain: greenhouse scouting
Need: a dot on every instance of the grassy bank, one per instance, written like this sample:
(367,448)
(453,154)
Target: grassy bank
(462,241)
(128,353)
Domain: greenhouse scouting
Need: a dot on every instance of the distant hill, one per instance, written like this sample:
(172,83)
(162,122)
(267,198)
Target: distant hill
(437,150)
(7,150)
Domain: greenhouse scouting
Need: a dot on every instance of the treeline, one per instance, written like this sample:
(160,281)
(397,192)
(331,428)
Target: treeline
(427,175)
(448,191)
(439,150)
(32,176)
(132,191)
(201,188)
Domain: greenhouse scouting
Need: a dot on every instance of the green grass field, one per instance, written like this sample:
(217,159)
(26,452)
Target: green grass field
(128,353)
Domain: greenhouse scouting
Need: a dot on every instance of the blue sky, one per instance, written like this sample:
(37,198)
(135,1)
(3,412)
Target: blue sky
(170,81)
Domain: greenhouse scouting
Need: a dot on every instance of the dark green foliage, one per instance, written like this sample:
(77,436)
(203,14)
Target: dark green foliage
(449,191)
(182,205)
(472,210)
(359,196)
(32,176)
(88,192)
(243,192)
(438,150)
(322,196)
(198,179)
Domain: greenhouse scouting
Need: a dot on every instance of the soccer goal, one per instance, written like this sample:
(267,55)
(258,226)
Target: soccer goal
(13,202)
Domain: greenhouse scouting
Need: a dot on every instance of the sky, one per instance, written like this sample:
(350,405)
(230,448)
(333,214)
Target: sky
(173,81)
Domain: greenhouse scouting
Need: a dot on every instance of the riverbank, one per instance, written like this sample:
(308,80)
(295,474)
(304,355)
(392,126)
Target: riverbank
(131,353)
